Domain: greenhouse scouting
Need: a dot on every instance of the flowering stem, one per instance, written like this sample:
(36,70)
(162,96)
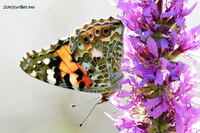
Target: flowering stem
(162,86)
(159,124)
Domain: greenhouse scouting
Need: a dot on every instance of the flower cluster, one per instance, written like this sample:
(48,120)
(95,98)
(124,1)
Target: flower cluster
(161,85)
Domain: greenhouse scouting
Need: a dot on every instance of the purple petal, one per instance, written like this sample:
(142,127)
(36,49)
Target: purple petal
(170,13)
(176,69)
(127,106)
(147,12)
(125,81)
(150,103)
(145,35)
(154,8)
(188,11)
(156,106)
(164,43)
(152,46)
(185,117)
(143,82)
(178,6)
(136,60)
(195,31)
(123,93)
(180,21)
(174,38)
(126,61)
(124,122)
(139,70)
(159,77)
(156,26)
(135,44)
(133,80)
(126,5)
(150,76)
(164,62)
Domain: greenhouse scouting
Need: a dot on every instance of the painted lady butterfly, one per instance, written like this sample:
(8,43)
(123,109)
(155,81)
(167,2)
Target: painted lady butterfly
(88,61)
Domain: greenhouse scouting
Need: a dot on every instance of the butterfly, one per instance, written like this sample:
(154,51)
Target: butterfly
(88,61)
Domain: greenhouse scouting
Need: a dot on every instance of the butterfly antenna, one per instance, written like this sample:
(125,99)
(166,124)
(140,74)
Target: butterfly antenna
(90,112)
(91,100)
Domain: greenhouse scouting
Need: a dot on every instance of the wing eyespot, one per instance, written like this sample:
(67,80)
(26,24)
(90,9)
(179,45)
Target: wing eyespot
(90,36)
(106,32)
(97,32)
(85,40)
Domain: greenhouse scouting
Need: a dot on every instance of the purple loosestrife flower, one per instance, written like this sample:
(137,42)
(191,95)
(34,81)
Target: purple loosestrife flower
(160,86)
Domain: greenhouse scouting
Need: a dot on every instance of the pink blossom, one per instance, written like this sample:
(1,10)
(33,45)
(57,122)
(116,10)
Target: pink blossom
(161,88)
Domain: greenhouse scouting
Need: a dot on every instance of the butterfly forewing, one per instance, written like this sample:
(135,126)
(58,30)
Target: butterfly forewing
(88,61)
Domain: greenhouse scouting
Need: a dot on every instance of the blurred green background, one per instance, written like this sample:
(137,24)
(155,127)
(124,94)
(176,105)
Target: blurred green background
(28,105)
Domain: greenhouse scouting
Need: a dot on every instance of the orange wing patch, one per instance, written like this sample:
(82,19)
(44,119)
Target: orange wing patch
(76,75)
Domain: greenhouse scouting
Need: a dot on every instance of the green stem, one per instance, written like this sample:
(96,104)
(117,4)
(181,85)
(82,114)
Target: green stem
(159,124)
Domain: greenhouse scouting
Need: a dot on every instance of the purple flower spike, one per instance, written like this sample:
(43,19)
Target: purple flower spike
(157,92)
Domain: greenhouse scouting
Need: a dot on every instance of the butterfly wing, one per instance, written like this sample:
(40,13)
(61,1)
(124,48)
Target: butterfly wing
(55,65)
(88,61)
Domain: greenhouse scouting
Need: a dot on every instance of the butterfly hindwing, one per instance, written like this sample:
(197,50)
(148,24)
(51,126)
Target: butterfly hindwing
(88,61)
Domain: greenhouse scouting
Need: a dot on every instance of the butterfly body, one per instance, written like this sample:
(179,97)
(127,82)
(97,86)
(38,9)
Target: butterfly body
(88,61)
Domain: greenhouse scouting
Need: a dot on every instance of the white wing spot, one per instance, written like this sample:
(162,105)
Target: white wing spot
(46,61)
(33,73)
(50,76)
(51,80)
(106,39)
(47,48)
(64,38)
(96,53)
(50,72)
(55,42)
(39,62)
(119,30)
(86,65)
(34,66)
(38,50)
